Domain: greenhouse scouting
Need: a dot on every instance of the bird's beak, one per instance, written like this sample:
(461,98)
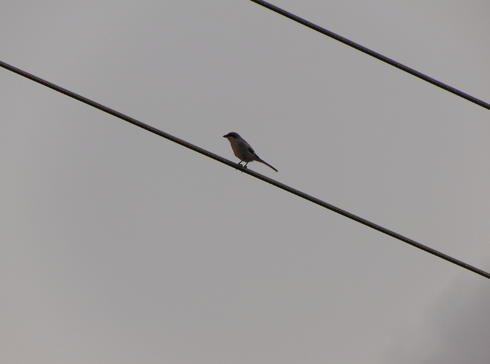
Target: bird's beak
(224,136)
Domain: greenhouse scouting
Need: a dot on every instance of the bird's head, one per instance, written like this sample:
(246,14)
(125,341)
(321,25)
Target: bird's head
(231,135)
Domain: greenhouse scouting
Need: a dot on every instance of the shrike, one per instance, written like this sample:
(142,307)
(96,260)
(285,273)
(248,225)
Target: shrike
(243,150)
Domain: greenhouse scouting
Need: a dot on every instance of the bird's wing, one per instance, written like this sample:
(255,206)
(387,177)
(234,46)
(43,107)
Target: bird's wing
(251,150)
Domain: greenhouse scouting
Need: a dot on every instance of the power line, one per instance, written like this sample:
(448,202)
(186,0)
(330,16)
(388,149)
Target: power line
(372,53)
(245,170)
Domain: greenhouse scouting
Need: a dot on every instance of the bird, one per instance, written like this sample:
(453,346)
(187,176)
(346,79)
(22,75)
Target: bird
(243,150)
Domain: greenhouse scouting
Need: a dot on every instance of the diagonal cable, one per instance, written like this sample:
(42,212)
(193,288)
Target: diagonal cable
(373,53)
(246,170)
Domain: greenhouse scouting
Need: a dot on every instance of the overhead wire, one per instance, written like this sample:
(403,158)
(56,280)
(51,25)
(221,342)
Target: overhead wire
(372,53)
(245,170)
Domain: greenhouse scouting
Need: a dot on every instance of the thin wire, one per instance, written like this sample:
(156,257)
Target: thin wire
(372,53)
(246,170)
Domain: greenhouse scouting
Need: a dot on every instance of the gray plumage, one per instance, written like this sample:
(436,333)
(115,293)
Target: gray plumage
(243,150)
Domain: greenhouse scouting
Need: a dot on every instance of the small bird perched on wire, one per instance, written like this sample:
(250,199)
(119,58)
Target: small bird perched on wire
(243,150)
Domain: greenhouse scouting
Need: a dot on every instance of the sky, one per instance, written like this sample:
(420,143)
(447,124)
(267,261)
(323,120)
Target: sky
(118,246)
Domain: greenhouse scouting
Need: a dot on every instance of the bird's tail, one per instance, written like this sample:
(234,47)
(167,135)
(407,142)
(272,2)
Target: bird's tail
(267,164)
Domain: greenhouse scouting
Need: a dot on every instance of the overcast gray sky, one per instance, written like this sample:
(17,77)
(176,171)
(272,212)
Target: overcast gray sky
(118,246)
